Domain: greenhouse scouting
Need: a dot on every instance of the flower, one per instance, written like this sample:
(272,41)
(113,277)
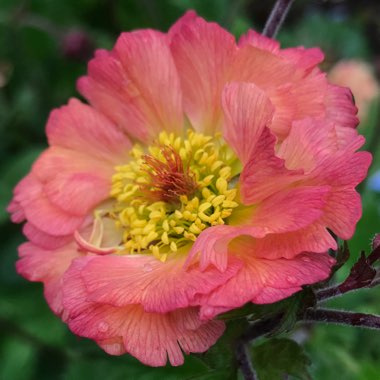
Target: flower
(358,76)
(203,175)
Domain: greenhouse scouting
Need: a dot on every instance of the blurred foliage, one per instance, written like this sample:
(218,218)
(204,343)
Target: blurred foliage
(44,46)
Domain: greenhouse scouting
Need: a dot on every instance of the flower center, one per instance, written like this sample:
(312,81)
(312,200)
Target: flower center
(165,197)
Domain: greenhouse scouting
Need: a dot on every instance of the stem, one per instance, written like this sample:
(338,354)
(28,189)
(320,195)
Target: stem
(343,318)
(244,362)
(260,328)
(277,17)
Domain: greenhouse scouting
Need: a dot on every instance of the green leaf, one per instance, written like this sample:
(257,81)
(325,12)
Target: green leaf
(220,358)
(278,357)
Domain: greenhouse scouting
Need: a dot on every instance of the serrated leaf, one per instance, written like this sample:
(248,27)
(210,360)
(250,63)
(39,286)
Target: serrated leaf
(276,358)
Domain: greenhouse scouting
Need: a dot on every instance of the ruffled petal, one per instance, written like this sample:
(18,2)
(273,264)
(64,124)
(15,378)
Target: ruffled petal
(39,211)
(265,173)
(153,338)
(81,128)
(264,280)
(44,240)
(158,287)
(248,111)
(47,266)
(340,107)
(136,85)
(203,52)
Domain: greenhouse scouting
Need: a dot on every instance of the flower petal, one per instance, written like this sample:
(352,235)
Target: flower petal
(265,174)
(247,110)
(137,85)
(47,266)
(202,52)
(264,280)
(81,128)
(150,337)
(158,287)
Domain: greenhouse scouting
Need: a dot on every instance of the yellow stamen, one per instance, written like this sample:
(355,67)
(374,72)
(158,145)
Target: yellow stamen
(169,221)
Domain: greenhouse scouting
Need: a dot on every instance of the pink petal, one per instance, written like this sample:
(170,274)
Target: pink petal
(313,238)
(47,266)
(266,70)
(302,57)
(265,173)
(307,141)
(212,245)
(44,240)
(263,280)
(40,212)
(150,337)
(158,287)
(202,52)
(291,209)
(342,212)
(340,108)
(81,128)
(69,179)
(137,85)
(259,41)
(248,110)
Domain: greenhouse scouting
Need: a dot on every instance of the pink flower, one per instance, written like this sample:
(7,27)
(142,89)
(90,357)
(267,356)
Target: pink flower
(359,77)
(203,175)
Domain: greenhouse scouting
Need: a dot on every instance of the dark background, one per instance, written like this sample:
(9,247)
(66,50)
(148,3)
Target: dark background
(44,47)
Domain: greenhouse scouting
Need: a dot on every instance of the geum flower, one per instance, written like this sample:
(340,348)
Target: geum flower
(203,175)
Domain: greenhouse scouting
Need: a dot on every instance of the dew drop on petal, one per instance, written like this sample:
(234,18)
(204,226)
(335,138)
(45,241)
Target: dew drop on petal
(103,327)
(147,267)
(306,259)
(291,279)
(208,311)
(332,260)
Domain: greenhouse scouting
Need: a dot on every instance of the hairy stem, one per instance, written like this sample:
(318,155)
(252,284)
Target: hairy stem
(244,361)
(277,17)
(343,318)
(260,328)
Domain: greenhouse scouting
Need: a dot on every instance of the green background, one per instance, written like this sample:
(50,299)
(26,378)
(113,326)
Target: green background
(38,70)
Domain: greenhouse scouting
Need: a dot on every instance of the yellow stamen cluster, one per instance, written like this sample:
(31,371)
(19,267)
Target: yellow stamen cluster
(162,227)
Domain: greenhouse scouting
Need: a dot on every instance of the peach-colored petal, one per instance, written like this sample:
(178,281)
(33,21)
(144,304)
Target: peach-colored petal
(290,210)
(69,178)
(342,212)
(40,212)
(306,143)
(313,238)
(211,246)
(153,338)
(261,67)
(81,128)
(158,287)
(44,240)
(202,52)
(264,281)
(137,85)
(47,266)
(265,173)
(303,57)
(340,108)
(247,110)
(259,41)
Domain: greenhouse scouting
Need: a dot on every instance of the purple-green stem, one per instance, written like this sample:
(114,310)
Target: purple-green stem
(277,17)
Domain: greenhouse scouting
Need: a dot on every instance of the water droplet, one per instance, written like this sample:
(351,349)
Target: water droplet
(208,311)
(103,327)
(291,279)
(147,267)
(306,259)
